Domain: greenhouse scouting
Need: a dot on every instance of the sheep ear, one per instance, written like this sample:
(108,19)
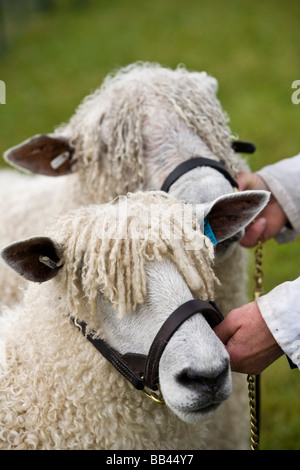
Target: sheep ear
(36,259)
(47,154)
(231,213)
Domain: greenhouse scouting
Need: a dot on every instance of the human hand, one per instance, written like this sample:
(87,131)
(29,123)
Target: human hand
(272,218)
(248,340)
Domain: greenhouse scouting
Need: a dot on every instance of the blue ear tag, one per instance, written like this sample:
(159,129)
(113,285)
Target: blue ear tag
(209,233)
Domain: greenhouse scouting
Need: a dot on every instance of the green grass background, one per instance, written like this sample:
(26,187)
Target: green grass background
(52,57)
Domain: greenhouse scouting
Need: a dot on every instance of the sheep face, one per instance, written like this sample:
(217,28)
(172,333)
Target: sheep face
(194,371)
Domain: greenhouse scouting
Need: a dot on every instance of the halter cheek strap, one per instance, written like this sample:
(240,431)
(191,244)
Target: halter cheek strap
(123,366)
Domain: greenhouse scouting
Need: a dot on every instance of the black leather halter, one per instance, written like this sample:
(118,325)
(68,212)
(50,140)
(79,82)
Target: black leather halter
(141,370)
(194,162)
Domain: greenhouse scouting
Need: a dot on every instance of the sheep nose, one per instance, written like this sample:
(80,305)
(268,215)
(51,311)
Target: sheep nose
(209,382)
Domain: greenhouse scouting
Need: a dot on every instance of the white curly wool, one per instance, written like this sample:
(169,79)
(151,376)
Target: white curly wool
(113,242)
(142,122)
(56,390)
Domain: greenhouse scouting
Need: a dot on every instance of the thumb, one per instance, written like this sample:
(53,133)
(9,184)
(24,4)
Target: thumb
(248,180)
(226,329)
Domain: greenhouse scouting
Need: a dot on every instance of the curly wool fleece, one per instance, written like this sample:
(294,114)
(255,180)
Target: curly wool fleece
(107,246)
(108,127)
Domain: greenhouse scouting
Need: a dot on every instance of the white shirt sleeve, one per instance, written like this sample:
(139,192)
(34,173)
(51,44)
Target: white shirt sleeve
(283,179)
(280,309)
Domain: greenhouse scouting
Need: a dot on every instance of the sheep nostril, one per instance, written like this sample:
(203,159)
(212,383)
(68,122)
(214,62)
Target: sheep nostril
(194,380)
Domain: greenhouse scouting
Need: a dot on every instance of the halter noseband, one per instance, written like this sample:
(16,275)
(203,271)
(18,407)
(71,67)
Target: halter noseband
(141,370)
(194,162)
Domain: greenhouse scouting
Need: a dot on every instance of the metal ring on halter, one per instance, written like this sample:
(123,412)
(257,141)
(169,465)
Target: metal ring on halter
(157,396)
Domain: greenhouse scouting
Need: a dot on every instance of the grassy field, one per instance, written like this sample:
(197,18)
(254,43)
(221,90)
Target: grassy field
(51,59)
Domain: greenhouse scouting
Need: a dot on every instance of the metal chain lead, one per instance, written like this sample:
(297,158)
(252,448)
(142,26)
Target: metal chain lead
(254,432)
(252,379)
(258,273)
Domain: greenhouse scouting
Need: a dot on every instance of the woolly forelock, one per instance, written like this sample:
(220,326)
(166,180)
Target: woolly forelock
(106,247)
(107,127)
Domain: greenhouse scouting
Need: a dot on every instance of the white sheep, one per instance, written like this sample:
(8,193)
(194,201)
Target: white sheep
(121,268)
(128,135)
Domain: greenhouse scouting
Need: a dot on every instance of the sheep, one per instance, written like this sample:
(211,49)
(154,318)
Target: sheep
(121,268)
(128,135)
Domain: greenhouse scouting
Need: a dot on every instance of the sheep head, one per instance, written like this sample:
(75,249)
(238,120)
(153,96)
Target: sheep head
(119,134)
(141,227)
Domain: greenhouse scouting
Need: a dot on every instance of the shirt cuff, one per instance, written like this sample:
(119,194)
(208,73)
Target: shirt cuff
(281,312)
